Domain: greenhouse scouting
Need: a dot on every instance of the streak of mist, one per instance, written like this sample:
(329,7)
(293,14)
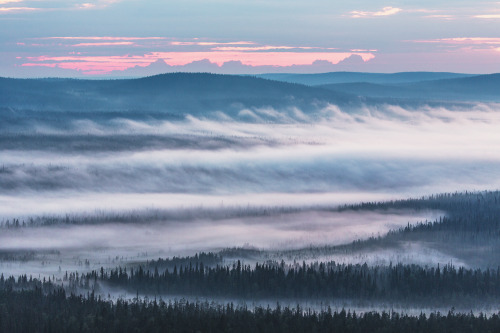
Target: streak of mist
(376,149)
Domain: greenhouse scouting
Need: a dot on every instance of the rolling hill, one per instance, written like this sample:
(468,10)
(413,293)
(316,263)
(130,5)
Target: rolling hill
(484,88)
(177,93)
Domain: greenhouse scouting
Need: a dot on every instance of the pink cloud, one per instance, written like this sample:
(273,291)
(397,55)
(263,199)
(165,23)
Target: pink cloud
(39,65)
(90,67)
(95,59)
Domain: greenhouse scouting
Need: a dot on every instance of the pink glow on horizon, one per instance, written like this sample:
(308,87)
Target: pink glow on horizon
(278,59)
(106,64)
(40,65)
(89,67)
(94,59)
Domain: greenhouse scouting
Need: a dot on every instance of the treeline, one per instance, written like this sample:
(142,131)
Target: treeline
(407,283)
(202,258)
(147,216)
(456,201)
(36,311)
(469,227)
(477,212)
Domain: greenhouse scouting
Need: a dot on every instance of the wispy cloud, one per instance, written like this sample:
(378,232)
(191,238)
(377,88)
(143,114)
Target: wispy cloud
(86,6)
(210,43)
(99,4)
(17,9)
(54,5)
(104,44)
(488,16)
(102,38)
(386,11)
(363,50)
(441,16)
(264,48)
(463,40)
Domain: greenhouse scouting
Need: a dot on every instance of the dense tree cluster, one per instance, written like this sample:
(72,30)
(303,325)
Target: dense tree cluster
(36,311)
(315,281)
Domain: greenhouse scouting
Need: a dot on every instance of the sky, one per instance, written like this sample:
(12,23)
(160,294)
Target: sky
(128,38)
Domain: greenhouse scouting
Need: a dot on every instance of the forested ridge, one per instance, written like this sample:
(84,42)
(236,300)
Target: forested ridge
(320,281)
(315,281)
(469,227)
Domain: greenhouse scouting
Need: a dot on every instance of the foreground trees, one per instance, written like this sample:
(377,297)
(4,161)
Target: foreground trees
(35,311)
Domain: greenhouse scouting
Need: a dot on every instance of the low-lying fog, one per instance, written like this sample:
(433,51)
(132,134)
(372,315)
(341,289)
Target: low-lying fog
(123,165)
(109,243)
(278,231)
(396,151)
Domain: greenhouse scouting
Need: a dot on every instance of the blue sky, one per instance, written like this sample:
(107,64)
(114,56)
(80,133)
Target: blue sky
(143,37)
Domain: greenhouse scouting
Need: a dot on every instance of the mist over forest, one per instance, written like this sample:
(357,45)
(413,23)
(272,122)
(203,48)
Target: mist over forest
(279,175)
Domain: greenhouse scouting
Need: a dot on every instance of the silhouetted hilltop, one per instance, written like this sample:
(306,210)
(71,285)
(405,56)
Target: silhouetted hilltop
(177,93)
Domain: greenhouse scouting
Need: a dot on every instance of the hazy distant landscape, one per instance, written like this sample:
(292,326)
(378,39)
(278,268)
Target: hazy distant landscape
(254,190)
(249,166)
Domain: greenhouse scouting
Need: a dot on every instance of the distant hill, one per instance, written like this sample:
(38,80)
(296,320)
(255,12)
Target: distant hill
(355,77)
(177,93)
(484,88)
